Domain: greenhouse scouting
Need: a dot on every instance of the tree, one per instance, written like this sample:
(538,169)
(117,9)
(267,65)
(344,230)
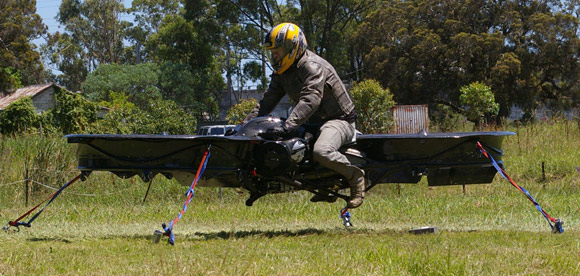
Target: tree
(65,55)
(527,51)
(96,25)
(140,82)
(543,37)
(19,60)
(149,14)
(329,26)
(164,116)
(94,35)
(189,89)
(190,74)
(149,81)
(372,104)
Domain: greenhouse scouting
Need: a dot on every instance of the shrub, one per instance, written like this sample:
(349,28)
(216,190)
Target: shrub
(72,113)
(115,120)
(372,103)
(158,116)
(164,116)
(20,116)
(238,112)
(479,100)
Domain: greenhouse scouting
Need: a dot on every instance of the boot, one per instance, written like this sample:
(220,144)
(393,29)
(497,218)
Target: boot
(357,193)
(326,198)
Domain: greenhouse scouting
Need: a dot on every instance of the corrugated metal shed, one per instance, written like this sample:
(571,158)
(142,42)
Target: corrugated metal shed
(410,119)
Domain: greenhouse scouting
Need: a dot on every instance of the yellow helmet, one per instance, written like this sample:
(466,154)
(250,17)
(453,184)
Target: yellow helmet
(289,43)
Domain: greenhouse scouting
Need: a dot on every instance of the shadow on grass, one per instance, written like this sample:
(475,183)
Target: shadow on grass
(259,233)
(48,240)
(227,235)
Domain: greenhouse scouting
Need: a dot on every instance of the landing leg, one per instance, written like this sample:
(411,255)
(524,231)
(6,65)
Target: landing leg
(253,197)
(345,216)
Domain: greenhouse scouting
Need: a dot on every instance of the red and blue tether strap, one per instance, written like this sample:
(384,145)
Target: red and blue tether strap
(189,194)
(16,223)
(557,226)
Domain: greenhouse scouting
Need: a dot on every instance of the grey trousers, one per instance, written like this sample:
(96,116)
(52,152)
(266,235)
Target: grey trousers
(334,134)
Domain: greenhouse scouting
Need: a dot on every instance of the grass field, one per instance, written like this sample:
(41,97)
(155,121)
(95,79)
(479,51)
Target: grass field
(101,226)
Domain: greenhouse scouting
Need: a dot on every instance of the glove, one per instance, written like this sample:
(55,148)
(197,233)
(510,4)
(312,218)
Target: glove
(233,131)
(230,132)
(274,133)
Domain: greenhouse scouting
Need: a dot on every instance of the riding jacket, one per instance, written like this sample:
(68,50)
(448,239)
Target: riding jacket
(313,84)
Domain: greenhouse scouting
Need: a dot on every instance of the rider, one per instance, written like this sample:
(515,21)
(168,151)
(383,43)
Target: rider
(320,97)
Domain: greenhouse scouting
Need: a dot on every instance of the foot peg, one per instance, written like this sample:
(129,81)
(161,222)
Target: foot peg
(324,198)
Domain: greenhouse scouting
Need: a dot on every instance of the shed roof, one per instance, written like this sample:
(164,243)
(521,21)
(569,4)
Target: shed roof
(28,91)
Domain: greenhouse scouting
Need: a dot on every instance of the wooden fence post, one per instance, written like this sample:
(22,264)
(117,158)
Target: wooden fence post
(26,187)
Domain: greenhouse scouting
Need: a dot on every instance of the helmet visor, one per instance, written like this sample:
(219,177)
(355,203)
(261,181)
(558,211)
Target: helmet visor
(275,56)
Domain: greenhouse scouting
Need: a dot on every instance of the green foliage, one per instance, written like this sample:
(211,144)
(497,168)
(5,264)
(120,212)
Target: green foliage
(241,25)
(372,103)
(424,52)
(480,101)
(187,88)
(139,82)
(148,17)
(445,119)
(117,119)
(158,116)
(10,79)
(47,124)
(164,116)
(20,116)
(329,27)
(148,81)
(189,73)
(95,25)
(241,56)
(19,60)
(72,113)
(238,112)
(93,35)
(179,84)
(118,101)
(66,55)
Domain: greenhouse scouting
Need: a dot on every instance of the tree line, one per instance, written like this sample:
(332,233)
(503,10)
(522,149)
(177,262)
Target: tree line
(187,51)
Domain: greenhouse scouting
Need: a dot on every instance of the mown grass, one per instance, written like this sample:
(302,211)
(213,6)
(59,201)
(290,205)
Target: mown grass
(306,252)
(101,226)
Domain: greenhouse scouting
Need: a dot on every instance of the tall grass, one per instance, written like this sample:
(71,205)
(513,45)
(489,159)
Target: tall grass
(101,226)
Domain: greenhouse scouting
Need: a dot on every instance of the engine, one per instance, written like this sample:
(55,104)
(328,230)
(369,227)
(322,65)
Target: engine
(274,158)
